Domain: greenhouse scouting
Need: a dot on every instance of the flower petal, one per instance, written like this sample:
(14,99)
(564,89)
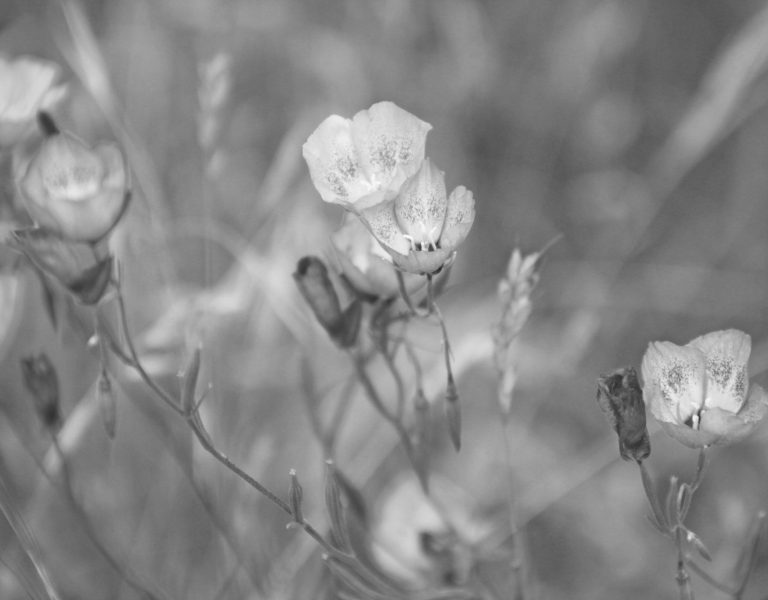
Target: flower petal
(381,222)
(391,144)
(421,205)
(733,428)
(674,379)
(459,218)
(333,162)
(726,353)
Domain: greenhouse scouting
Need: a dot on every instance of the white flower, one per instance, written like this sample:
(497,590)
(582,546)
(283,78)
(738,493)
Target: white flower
(363,161)
(700,392)
(423,226)
(73,190)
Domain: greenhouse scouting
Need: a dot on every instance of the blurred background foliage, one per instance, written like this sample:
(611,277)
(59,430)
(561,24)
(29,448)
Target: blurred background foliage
(635,130)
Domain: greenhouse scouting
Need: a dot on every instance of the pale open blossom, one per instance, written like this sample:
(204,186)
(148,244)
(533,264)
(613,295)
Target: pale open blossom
(363,161)
(365,264)
(700,392)
(27,85)
(73,190)
(422,227)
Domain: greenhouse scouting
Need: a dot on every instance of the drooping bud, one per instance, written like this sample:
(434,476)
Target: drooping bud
(108,404)
(621,399)
(453,413)
(42,382)
(315,285)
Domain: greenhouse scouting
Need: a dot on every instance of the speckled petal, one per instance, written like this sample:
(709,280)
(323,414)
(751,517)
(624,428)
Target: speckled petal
(334,164)
(726,353)
(391,144)
(674,379)
(459,218)
(421,206)
(381,222)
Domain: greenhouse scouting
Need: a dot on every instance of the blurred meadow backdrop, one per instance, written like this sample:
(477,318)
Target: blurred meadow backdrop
(634,131)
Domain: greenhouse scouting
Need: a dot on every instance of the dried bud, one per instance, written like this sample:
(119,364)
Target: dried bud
(295,497)
(42,382)
(621,399)
(315,285)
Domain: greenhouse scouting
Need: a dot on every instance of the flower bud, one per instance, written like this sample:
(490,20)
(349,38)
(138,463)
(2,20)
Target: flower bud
(336,512)
(108,404)
(77,266)
(453,413)
(295,497)
(621,399)
(42,382)
(73,190)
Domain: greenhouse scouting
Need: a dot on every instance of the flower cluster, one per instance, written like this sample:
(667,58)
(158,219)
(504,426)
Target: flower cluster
(374,166)
(74,193)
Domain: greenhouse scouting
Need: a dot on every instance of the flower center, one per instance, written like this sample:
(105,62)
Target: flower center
(423,239)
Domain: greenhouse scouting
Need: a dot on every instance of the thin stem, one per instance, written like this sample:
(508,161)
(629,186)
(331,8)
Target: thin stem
(378,404)
(135,362)
(709,579)
(208,446)
(683,578)
(518,556)
(26,540)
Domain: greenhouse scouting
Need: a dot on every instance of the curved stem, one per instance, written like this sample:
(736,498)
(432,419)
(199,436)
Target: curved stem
(134,356)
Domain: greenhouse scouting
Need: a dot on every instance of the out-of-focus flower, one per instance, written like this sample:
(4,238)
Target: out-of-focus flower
(621,399)
(423,543)
(26,87)
(700,392)
(366,265)
(73,190)
(363,161)
(85,270)
(42,382)
(422,227)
